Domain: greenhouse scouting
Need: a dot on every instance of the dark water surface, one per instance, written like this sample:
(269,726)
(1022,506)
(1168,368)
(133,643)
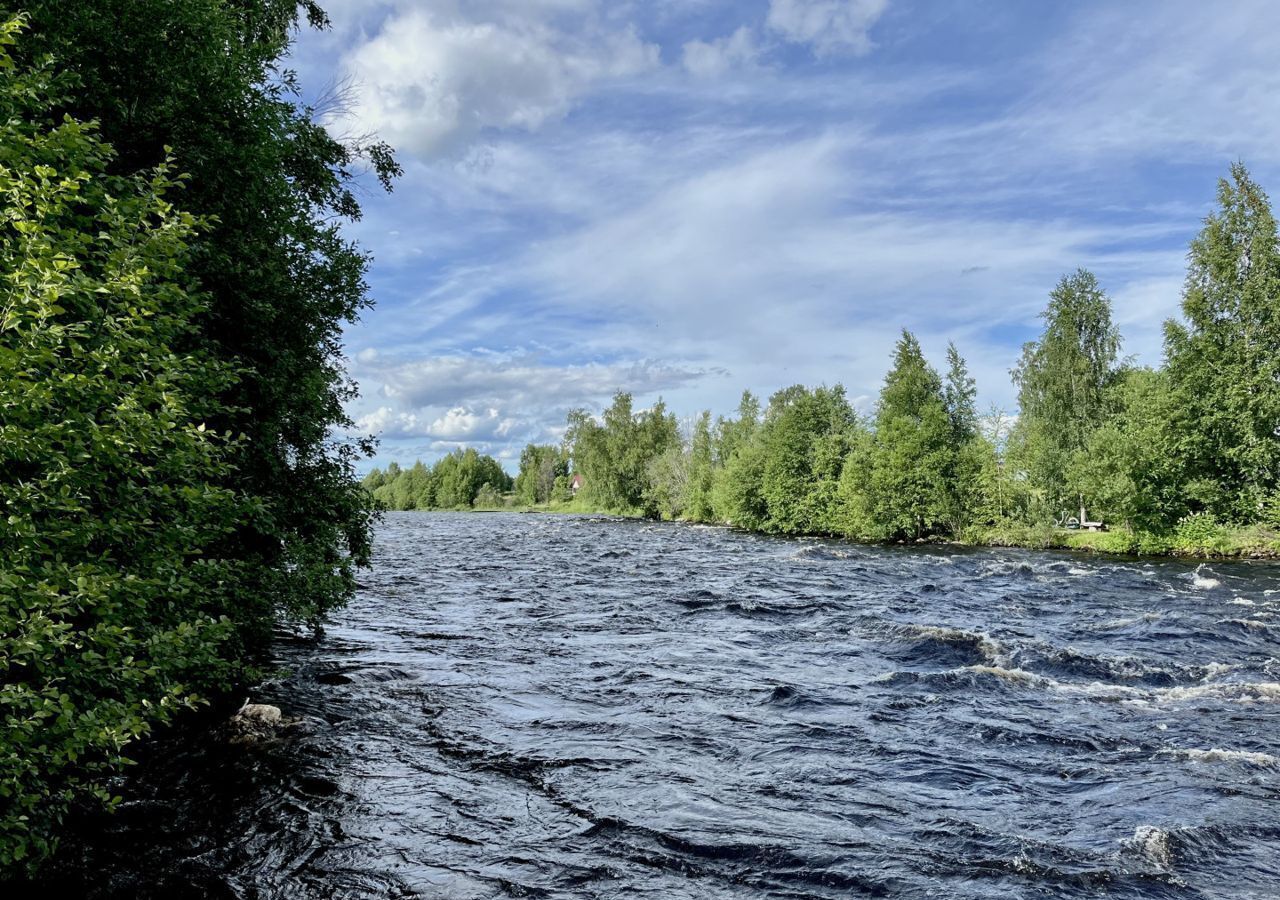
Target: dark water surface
(574,707)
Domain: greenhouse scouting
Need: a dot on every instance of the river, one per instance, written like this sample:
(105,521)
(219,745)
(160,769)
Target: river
(583,707)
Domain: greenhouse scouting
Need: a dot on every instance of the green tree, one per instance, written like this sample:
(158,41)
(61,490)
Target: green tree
(614,455)
(1128,467)
(970,455)
(735,488)
(701,472)
(114,593)
(895,484)
(201,80)
(540,466)
(804,439)
(1224,359)
(1062,381)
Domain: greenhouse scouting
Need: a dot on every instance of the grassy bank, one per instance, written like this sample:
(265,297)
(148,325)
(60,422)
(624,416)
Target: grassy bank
(1198,540)
(1195,538)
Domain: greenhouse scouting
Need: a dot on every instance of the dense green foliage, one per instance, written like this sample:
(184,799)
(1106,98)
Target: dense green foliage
(1062,382)
(462,480)
(1183,459)
(199,80)
(170,378)
(617,454)
(543,468)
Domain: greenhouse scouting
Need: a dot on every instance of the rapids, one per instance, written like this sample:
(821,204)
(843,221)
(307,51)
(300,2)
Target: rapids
(583,707)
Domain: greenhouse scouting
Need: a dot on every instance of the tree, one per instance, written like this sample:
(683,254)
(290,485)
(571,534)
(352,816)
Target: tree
(613,456)
(202,82)
(970,456)
(735,488)
(804,439)
(115,598)
(1224,360)
(701,472)
(1062,380)
(895,484)
(668,476)
(540,466)
(1128,467)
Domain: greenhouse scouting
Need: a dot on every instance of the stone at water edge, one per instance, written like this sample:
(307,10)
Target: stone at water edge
(255,721)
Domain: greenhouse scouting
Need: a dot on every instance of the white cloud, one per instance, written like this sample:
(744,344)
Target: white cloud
(830,26)
(432,79)
(514,382)
(714,58)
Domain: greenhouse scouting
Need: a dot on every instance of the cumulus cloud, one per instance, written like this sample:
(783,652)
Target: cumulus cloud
(433,78)
(709,59)
(829,26)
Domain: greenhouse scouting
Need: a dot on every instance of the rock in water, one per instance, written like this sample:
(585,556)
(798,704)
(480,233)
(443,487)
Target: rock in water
(254,722)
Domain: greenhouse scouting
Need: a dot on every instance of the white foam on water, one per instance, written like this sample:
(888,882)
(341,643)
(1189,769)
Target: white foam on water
(1124,623)
(1219,755)
(1203,582)
(1153,843)
(1251,624)
(1013,676)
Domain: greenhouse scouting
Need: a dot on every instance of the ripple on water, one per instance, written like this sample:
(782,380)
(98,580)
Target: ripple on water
(582,706)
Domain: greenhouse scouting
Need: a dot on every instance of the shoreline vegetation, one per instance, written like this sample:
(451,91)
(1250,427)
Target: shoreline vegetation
(1183,459)
(171,380)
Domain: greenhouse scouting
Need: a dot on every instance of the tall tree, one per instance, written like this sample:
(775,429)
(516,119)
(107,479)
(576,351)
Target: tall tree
(1062,381)
(970,454)
(1224,359)
(200,79)
(896,483)
(701,471)
(114,591)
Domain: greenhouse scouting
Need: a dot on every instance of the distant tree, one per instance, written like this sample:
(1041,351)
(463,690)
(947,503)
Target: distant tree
(1224,359)
(614,455)
(805,437)
(738,461)
(540,466)
(488,497)
(701,471)
(1062,380)
(668,488)
(896,483)
(970,455)
(1129,468)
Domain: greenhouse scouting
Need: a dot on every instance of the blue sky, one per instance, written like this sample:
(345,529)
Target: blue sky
(690,198)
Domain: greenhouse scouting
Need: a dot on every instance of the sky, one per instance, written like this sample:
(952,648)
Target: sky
(688,198)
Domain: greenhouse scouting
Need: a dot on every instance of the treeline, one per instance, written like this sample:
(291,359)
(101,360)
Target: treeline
(462,480)
(1169,458)
(175,285)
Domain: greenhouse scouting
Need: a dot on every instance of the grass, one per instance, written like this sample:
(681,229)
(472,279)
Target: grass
(1198,539)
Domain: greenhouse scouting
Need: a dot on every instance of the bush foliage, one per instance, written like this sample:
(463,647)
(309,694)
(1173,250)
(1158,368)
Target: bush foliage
(170,378)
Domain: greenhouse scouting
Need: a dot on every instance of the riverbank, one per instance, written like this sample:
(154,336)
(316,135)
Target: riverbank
(1197,539)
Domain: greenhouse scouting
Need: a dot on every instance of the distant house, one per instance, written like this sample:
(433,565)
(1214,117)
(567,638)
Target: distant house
(576,484)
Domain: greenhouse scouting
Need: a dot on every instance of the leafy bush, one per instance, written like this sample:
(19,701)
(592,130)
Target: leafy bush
(111,599)
(1200,533)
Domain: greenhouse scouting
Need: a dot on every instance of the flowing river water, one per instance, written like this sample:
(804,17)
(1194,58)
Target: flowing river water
(581,707)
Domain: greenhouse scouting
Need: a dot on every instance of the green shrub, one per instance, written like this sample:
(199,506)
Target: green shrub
(1200,533)
(110,601)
